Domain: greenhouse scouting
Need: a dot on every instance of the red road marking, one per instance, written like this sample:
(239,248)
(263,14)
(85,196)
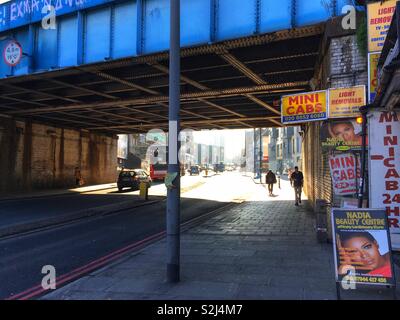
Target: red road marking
(37,290)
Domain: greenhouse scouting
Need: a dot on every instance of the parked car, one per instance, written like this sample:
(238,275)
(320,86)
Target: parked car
(132,178)
(194,170)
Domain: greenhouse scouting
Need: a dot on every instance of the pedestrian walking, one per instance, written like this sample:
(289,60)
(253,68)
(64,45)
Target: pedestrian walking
(270,180)
(297,181)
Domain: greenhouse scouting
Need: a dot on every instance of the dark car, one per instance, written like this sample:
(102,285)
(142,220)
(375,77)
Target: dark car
(132,178)
(194,170)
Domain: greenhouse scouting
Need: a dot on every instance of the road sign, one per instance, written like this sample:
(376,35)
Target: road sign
(12,53)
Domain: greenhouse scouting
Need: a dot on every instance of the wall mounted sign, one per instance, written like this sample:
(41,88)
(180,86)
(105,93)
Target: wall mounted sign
(304,107)
(384,169)
(346,102)
(380,16)
(12,53)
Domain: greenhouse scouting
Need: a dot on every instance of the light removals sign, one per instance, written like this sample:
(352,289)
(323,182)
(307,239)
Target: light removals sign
(373,59)
(304,107)
(380,14)
(346,102)
(345,173)
(384,162)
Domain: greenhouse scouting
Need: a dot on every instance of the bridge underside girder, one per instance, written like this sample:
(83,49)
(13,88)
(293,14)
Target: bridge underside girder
(229,85)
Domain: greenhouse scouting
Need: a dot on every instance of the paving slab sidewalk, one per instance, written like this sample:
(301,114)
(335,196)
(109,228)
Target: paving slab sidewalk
(260,249)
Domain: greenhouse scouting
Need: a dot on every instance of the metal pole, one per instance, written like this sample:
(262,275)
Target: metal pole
(260,157)
(173,194)
(254,152)
(364,111)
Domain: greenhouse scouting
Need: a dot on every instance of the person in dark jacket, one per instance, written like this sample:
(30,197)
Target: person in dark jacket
(270,180)
(296,181)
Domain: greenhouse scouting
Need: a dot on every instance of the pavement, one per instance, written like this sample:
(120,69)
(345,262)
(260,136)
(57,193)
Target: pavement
(262,248)
(41,209)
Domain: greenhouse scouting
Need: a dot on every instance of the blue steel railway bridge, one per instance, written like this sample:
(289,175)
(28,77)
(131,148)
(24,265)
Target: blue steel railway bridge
(104,67)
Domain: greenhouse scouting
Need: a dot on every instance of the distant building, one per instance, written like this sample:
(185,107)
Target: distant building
(284,148)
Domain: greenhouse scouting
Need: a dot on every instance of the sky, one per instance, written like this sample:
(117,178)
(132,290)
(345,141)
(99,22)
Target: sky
(233,140)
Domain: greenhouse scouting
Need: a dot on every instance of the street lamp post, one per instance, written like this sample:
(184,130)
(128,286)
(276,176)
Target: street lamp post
(173,194)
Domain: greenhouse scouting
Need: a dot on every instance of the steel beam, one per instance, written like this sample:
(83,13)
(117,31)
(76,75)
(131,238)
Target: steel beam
(231,92)
(191,122)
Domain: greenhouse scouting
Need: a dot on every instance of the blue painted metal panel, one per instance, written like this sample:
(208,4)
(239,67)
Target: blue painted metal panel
(121,28)
(22,36)
(275,15)
(5,69)
(45,56)
(195,22)
(68,41)
(125,35)
(311,11)
(97,35)
(235,18)
(156,25)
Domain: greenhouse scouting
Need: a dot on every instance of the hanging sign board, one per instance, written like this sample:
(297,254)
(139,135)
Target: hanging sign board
(380,14)
(346,102)
(304,107)
(361,245)
(341,135)
(345,173)
(384,168)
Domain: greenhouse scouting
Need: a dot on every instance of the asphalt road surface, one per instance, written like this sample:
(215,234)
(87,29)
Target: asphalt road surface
(76,244)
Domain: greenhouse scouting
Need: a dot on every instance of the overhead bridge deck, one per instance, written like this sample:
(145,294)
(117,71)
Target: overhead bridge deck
(105,66)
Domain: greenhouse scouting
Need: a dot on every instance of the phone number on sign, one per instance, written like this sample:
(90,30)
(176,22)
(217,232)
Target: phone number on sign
(313,116)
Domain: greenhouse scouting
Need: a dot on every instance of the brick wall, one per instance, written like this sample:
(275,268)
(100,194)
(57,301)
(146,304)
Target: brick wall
(37,156)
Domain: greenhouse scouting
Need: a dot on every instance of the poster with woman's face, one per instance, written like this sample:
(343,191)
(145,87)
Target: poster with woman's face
(342,135)
(361,246)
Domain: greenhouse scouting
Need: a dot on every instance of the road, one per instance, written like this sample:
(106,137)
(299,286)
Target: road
(76,244)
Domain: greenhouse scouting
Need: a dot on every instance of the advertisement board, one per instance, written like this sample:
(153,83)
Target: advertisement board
(361,246)
(380,14)
(384,168)
(345,173)
(341,135)
(304,107)
(346,102)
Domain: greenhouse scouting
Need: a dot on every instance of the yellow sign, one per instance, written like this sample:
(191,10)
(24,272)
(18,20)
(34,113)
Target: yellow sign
(373,59)
(304,107)
(345,103)
(379,19)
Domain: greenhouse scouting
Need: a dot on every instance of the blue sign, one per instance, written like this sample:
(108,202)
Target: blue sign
(20,12)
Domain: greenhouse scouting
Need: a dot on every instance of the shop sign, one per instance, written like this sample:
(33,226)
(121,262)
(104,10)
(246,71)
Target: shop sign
(345,173)
(304,107)
(346,102)
(384,168)
(380,14)
(362,249)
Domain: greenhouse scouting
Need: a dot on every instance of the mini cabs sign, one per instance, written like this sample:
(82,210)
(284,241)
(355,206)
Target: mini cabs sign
(304,107)
(346,102)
